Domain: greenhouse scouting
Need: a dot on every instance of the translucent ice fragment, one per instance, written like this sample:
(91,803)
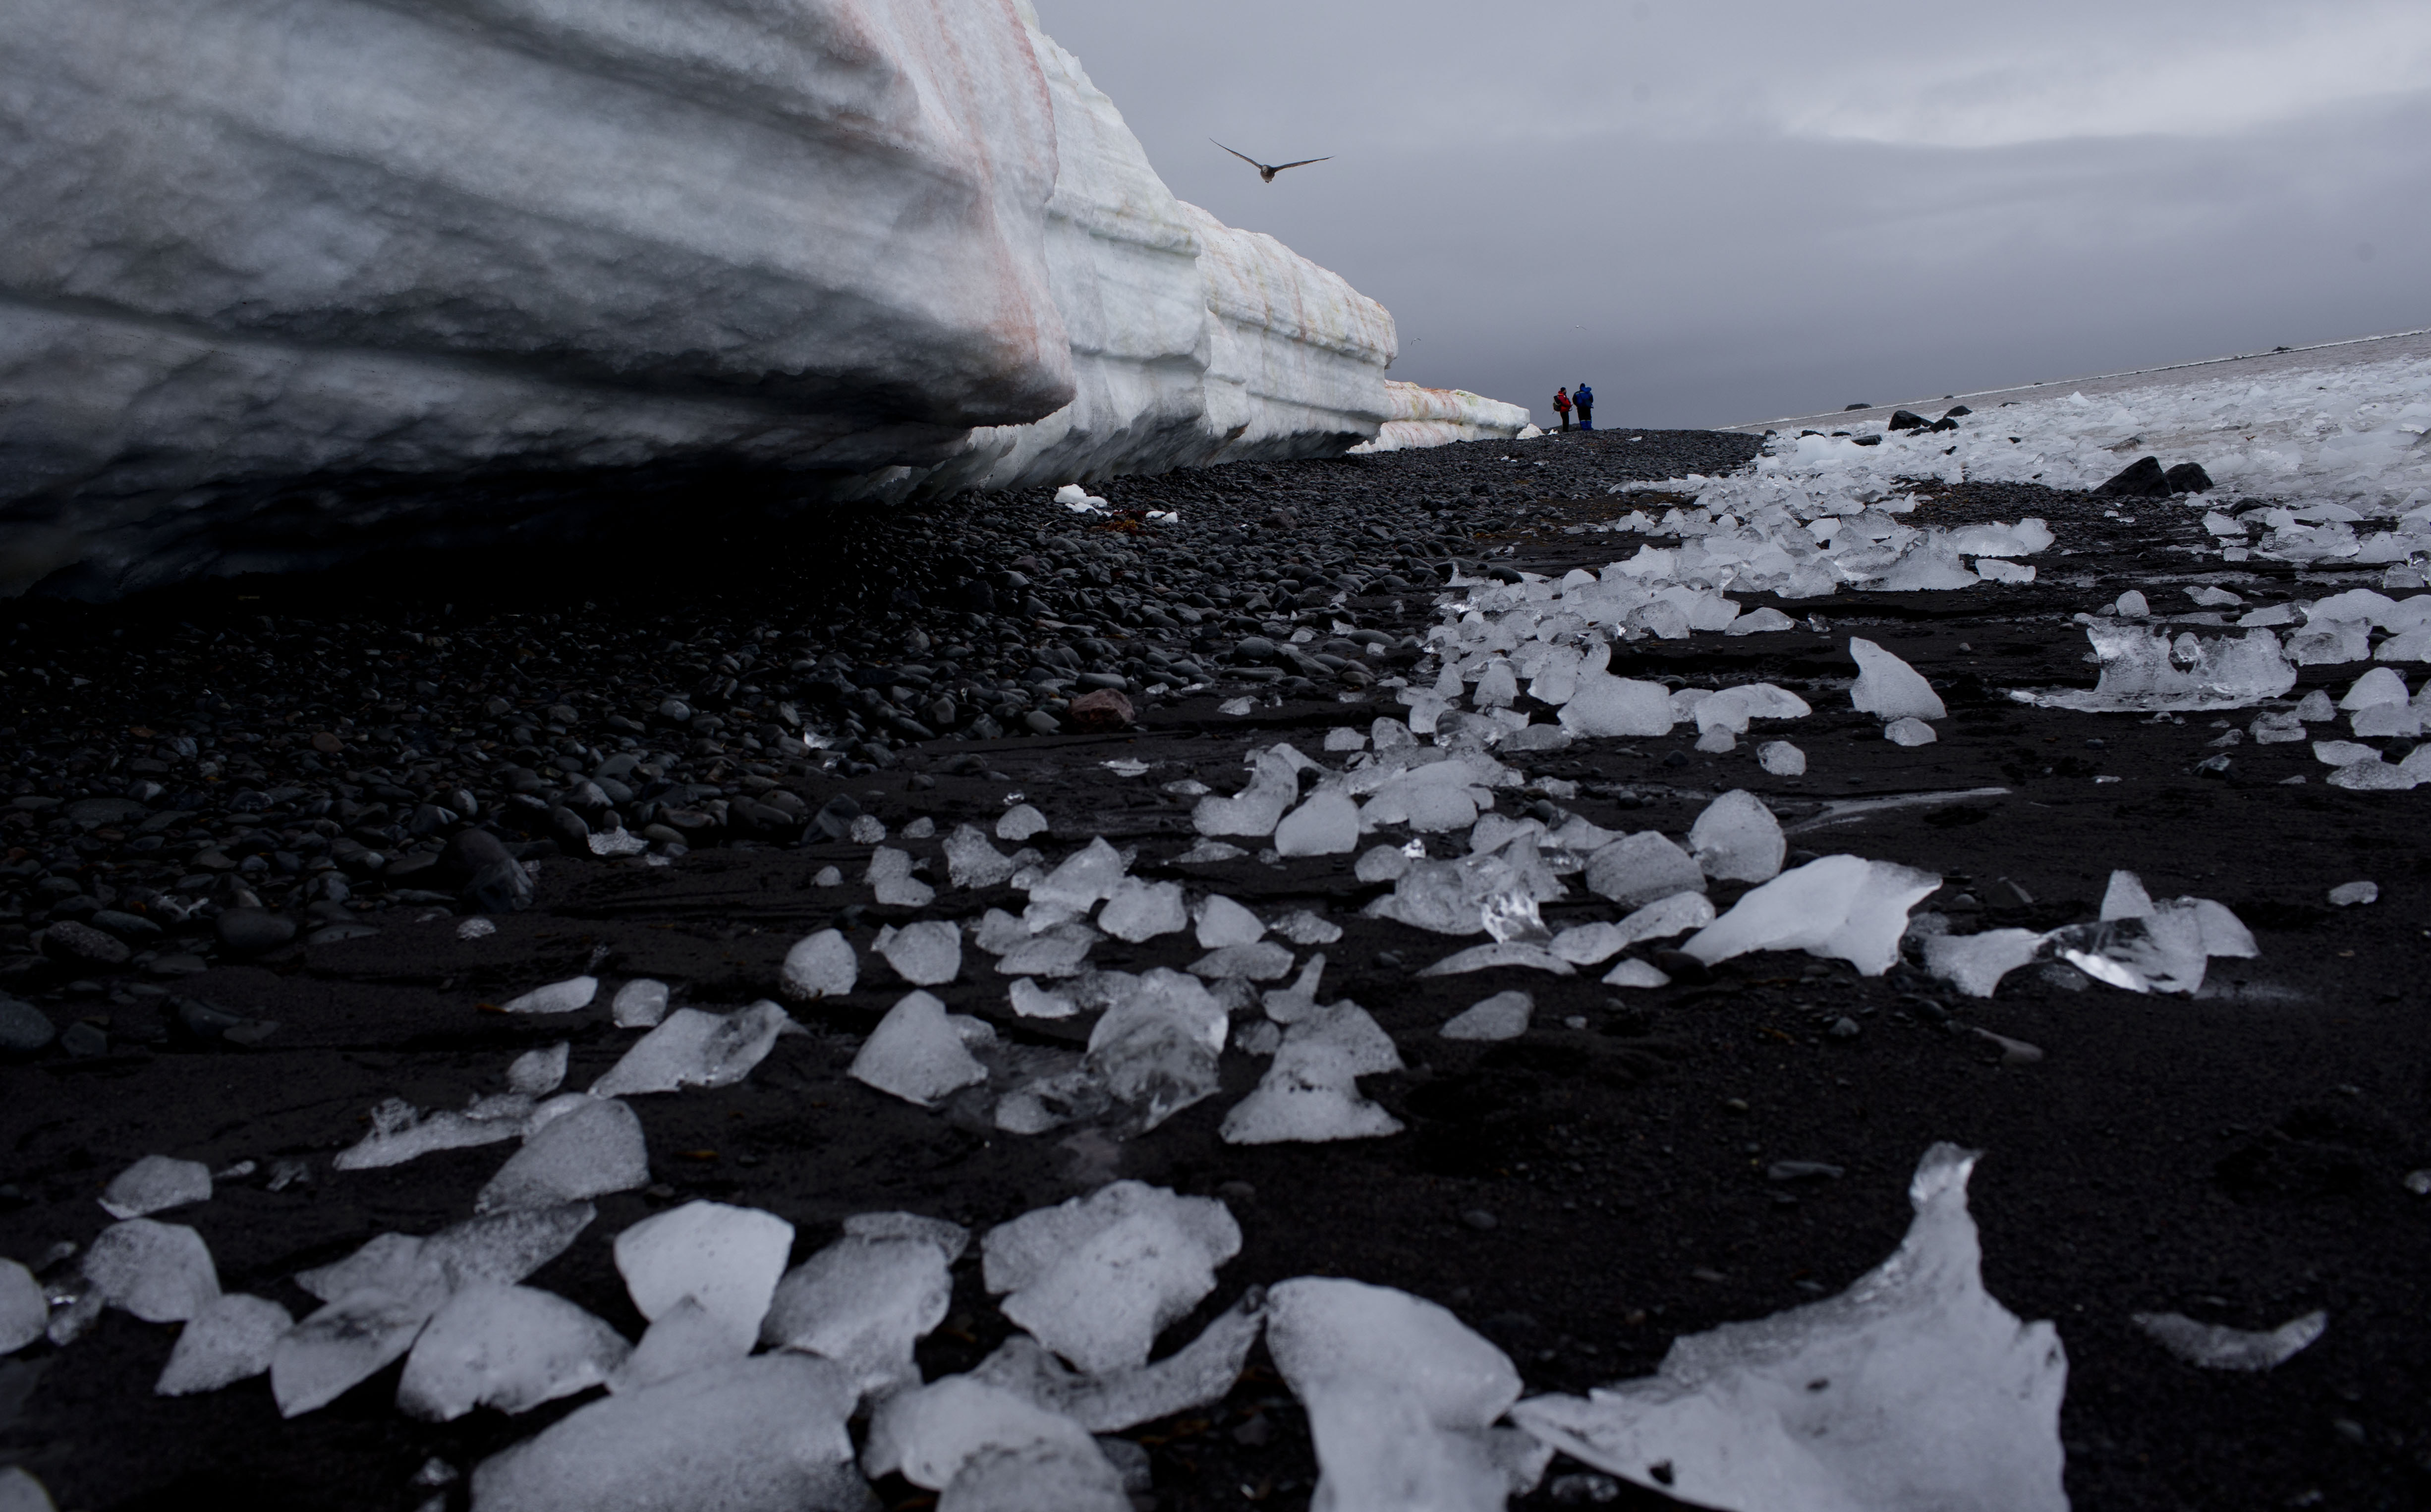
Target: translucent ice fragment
(867,830)
(1200,1373)
(1019,823)
(1635,973)
(639,1003)
(930,1435)
(1326,825)
(155,1185)
(759,1434)
(1781,758)
(510,1348)
(1500,953)
(2315,707)
(1913,1389)
(1222,922)
(864,1303)
(2215,1348)
(229,1341)
(538,1073)
(1604,705)
(891,880)
(1310,1094)
(697,1049)
(915,1054)
(1838,907)
(1262,961)
(724,1259)
(2347,894)
(2144,671)
(594,1149)
(1668,917)
(1738,839)
(681,1340)
(1645,866)
(348,1342)
(1142,910)
(1087,876)
(1974,964)
(926,954)
(1031,1000)
(2342,753)
(2131,604)
(1888,688)
(570,996)
(971,862)
(1586,944)
(162,1272)
(1096,1279)
(1381,863)
(2377,686)
(1760,622)
(1505,1016)
(821,965)
(1345,737)
(1910,733)
(1274,784)
(2276,728)
(1058,951)
(21,1492)
(1304,926)
(2374,776)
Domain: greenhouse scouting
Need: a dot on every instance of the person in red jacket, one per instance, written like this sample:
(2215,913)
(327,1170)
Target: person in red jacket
(1562,406)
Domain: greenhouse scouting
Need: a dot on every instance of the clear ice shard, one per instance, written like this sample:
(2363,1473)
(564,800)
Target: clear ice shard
(1401,1397)
(1326,825)
(1141,910)
(1019,823)
(1156,1046)
(1525,953)
(1888,688)
(1738,839)
(1603,705)
(570,996)
(697,1049)
(1839,907)
(759,1434)
(2143,670)
(641,1003)
(1199,1373)
(1910,733)
(915,1054)
(928,1435)
(510,1348)
(1310,1094)
(1262,961)
(1589,944)
(1781,758)
(538,1073)
(726,1260)
(927,953)
(1087,877)
(681,1340)
(1913,1390)
(971,862)
(594,1149)
(1031,1000)
(1222,922)
(2347,894)
(349,1341)
(1505,1016)
(1096,1279)
(864,1303)
(229,1341)
(1059,951)
(1974,964)
(890,882)
(821,965)
(155,1185)
(1635,973)
(162,1272)
(1668,917)
(1273,787)
(2215,1348)
(1304,926)
(1645,866)
(1069,1477)
(25,1307)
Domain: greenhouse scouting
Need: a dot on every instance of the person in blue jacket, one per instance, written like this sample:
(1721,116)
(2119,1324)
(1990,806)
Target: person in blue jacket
(1583,398)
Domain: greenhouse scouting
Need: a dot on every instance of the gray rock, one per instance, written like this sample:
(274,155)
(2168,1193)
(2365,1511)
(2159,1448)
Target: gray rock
(24,1027)
(570,831)
(84,1041)
(106,811)
(253,931)
(82,945)
(133,927)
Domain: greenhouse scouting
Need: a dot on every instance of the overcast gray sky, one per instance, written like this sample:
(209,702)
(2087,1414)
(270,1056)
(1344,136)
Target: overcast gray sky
(1736,210)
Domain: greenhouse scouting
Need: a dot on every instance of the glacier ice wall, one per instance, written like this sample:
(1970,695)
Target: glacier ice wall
(1435,417)
(280,285)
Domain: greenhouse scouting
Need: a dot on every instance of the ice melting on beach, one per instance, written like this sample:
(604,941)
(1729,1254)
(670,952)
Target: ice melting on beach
(865,1302)
(726,1260)
(510,1348)
(916,1054)
(2212,1346)
(1839,907)
(1098,1278)
(1890,689)
(1310,1094)
(2145,671)
(155,1185)
(697,1049)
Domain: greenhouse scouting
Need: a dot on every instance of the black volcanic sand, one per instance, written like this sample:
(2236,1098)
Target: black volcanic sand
(2240,1156)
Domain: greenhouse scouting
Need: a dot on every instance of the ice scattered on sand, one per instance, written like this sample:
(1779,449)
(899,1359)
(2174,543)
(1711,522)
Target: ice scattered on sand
(1635,973)
(229,1341)
(1605,706)
(538,1073)
(1839,907)
(162,1272)
(1505,1016)
(1096,1279)
(1222,922)
(821,965)
(1524,954)
(1031,1000)
(927,953)
(971,862)
(1140,911)
(1310,1095)
(155,1185)
(2212,1346)
(1304,926)
(348,1342)
(1738,839)
(1589,944)
(1326,825)
(475,928)
(697,1049)
(1085,878)
(866,829)
(1913,1389)
(759,1434)
(1057,951)
(1253,812)
(510,1348)
(1974,964)
(681,1340)
(1155,1047)
(1667,916)
(641,1003)
(1781,758)
(1345,738)
(2347,894)
(1888,688)
(570,996)
(2145,671)
(1910,733)
(592,1150)
(1265,961)
(1642,867)
(864,1303)
(724,1259)
(1020,823)
(1401,1398)
(1199,1373)
(915,1054)
(890,882)
(2378,686)
(939,1434)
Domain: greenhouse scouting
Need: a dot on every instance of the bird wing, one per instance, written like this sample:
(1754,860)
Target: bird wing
(1302,163)
(1243,156)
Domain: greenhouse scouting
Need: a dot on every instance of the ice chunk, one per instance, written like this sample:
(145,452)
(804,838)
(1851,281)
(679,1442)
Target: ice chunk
(1262,961)
(1326,825)
(1760,622)
(1382,863)
(1274,784)
(971,862)
(1505,1016)
(512,1347)
(1223,922)
(2144,671)
(2125,898)
(1031,1000)
(915,1054)
(232,1340)
(697,1049)
(1096,1279)
(1732,708)
(2132,604)
(1156,1046)
(1586,944)
(2215,1348)
(2347,894)
(1068,1476)
(1641,868)
(2342,753)
(1736,838)
(1053,952)
(1974,964)
(639,1003)
(155,1183)
(1310,1094)
(348,1342)
(1141,910)
(2378,686)
(1888,688)
(2327,643)
(1992,569)
(1304,926)
(864,1303)
(1604,705)
(570,996)
(761,1435)
(931,1434)
(2276,728)
(821,965)
(1525,953)
(1400,1396)
(1668,917)
(1838,907)
(2315,707)
(2374,776)
(1910,733)
(682,1338)
(1345,737)
(21,1492)
(726,1259)
(24,1308)
(1635,973)
(1201,1372)
(926,954)
(592,1150)
(1913,1389)
(1087,876)
(866,829)
(891,880)
(162,1272)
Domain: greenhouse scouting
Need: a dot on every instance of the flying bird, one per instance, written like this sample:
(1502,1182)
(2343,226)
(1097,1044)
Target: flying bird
(1267,171)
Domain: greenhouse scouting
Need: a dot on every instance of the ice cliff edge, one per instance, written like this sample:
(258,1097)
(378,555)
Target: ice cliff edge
(282,284)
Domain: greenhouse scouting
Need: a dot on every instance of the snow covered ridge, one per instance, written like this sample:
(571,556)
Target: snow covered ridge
(894,246)
(1435,417)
